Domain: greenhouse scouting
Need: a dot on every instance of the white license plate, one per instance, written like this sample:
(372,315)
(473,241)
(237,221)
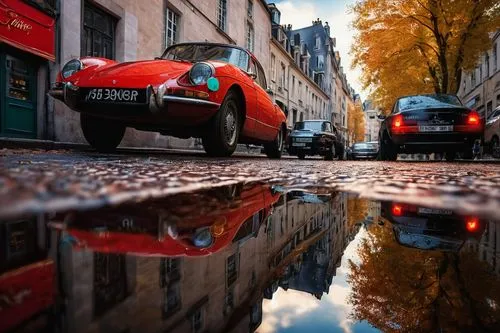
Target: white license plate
(429,128)
(113,95)
(298,144)
(433,211)
(303,139)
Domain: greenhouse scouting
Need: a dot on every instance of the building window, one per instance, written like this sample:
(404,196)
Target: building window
(197,321)
(320,61)
(495,57)
(250,37)
(171,27)
(98,33)
(473,79)
(273,67)
(318,42)
(480,73)
(110,281)
(283,75)
(171,300)
(487,61)
(231,270)
(170,270)
(222,14)
(228,301)
(250,9)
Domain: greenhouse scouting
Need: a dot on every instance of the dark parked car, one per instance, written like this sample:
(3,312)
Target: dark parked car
(364,150)
(429,124)
(314,137)
(428,228)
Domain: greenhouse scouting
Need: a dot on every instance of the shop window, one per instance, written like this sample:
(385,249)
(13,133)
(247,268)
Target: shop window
(110,281)
(171,27)
(222,14)
(98,33)
(18,79)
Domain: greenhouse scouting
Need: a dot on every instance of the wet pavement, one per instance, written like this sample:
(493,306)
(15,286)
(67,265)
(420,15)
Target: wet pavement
(163,243)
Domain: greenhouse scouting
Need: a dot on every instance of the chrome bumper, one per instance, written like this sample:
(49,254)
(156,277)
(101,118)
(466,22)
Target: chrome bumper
(158,101)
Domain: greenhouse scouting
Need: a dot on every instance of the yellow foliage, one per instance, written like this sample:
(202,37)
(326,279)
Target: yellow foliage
(420,46)
(355,123)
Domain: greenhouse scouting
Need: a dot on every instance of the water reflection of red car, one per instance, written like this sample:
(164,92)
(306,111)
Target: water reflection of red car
(151,231)
(430,228)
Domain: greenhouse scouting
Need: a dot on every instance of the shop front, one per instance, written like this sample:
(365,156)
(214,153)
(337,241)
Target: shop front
(27,43)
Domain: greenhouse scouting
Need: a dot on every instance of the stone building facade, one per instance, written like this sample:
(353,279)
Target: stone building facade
(480,88)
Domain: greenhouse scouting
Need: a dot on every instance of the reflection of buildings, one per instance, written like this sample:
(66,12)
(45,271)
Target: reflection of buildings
(488,247)
(221,292)
(27,283)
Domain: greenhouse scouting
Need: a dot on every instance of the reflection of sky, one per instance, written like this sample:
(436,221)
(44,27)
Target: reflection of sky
(294,311)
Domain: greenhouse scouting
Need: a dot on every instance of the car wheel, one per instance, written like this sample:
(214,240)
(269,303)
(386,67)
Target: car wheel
(495,147)
(275,149)
(330,154)
(223,132)
(450,156)
(102,134)
(388,151)
(301,155)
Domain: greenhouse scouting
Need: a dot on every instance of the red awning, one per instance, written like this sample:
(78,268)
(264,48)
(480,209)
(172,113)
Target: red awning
(27,28)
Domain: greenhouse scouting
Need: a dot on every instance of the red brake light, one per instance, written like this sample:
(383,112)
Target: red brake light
(472,224)
(397,121)
(473,118)
(397,210)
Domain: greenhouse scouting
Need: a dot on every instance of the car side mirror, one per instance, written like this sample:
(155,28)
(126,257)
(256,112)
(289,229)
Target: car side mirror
(270,91)
(381,117)
(252,74)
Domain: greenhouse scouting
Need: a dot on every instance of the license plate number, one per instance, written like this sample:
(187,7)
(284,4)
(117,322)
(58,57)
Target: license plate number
(429,128)
(113,95)
(303,139)
(298,144)
(434,211)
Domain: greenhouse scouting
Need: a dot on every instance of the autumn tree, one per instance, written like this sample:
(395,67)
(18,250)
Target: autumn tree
(402,289)
(420,46)
(355,122)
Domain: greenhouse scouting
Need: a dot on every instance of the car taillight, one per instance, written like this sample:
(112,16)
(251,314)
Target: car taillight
(472,224)
(397,210)
(397,122)
(473,118)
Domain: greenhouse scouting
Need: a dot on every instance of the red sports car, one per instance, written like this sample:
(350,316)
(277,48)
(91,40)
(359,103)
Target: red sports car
(216,92)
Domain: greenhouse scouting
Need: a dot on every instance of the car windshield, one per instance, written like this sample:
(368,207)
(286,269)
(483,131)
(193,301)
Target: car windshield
(363,145)
(428,101)
(309,126)
(203,52)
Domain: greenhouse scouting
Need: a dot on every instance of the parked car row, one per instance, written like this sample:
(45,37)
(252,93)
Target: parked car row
(219,93)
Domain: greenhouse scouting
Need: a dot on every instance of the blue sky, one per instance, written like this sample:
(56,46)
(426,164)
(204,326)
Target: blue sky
(300,13)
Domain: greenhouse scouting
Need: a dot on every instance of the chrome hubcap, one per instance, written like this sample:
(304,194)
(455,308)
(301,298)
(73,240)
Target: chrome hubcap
(230,126)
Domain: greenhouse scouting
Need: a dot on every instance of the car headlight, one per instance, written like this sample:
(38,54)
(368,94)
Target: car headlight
(71,68)
(202,238)
(200,73)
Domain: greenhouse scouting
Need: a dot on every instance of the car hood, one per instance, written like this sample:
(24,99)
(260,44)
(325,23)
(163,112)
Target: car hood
(133,74)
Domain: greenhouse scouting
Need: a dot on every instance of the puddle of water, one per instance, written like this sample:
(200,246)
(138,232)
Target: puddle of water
(251,258)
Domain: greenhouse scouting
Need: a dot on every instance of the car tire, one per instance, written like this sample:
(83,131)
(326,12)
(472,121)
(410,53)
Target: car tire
(221,137)
(301,155)
(495,147)
(104,135)
(330,154)
(450,156)
(275,149)
(388,152)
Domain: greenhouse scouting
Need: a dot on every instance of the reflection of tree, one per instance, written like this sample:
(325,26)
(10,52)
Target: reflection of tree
(357,209)
(396,288)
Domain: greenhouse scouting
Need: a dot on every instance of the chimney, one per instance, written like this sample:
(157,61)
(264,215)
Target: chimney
(327,29)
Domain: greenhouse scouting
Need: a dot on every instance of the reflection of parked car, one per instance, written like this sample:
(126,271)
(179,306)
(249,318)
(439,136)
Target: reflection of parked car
(150,230)
(364,150)
(429,124)
(215,92)
(429,228)
(492,132)
(314,137)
